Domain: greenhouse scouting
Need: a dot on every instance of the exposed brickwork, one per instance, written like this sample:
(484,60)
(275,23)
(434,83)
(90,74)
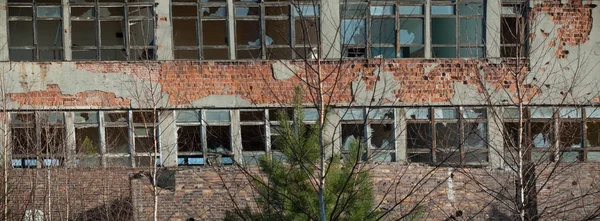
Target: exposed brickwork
(419,80)
(79,194)
(52,96)
(574,20)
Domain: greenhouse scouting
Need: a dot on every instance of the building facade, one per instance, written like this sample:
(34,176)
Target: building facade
(97,90)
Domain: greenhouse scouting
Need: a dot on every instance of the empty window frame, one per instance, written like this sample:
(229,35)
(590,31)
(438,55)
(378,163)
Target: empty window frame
(276,30)
(448,136)
(37,139)
(591,134)
(121,30)
(457,28)
(117,139)
(512,30)
(87,139)
(383,29)
(373,127)
(200,29)
(253,124)
(145,138)
(35,30)
(190,150)
(216,126)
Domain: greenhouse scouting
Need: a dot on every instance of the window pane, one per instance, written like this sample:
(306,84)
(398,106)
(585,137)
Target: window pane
(570,112)
(411,10)
(352,134)
(246,116)
(21,33)
(87,140)
(306,10)
(117,140)
(471,31)
(111,33)
(383,52)
(442,10)
(541,112)
(142,32)
(86,117)
(592,112)
(49,33)
(444,52)
(307,32)
(476,135)
(418,135)
(247,33)
(412,52)
(215,33)
(218,139)
(471,52)
(354,10)
(571,134)
(445,113)
(352,114)
(383,31)
(188,139)
(470,9)
(277,32)
(593,134)
(411,31)
(446,136)
(417,113)
(353,31)
(541,134)
(382,10)
(184,33)
(48,12)
(382,136)
(443,30)
(253,138)
(217,115)
(474,113)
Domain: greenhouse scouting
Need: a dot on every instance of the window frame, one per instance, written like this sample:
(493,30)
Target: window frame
(199,21)
(457,15)
(519,13)
(34,19)
(41,156)
(128,46)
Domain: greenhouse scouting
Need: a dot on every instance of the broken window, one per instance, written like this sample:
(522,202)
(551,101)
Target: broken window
(512,31)
(253,131)
(37,139)
(218,135)
(116,129)
(35,30)
(592,134)
(276,30)
(120,30)
(448,136)
(200,29)
(457,29)
(189,139)
(276,116)
(371,127)
(145,144)
(386,28)
(87,139)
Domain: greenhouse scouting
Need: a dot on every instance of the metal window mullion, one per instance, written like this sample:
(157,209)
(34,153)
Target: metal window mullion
(584,134)
(36,53)
(457,30)
(292,24)
(397,30)
(368,42)
(263,30)
(102,138)
(38,139)
(131,136)
(433,135)
(267,134)
(203,136)
(461,134)
(98,30)
(126,36)
(199,39)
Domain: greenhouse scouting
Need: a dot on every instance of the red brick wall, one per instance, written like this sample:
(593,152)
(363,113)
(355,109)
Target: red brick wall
(186,82)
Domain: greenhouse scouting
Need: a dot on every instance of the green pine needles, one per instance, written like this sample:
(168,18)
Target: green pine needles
(291,190)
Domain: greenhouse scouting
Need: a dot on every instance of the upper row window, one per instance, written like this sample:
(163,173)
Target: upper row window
(388,29)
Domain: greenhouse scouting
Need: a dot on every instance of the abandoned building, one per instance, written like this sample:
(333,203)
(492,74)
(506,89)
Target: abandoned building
(95,91)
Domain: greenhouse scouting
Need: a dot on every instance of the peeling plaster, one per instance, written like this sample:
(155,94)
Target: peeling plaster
(283,70)
(381,91)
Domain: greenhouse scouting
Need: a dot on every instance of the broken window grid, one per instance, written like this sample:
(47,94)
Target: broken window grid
(216,126)
(457,29)
(122,30)
(253,124)
(87,139)
(145,138)
(512,30)
(35,30)
(449,135)
(38,139)
(200,30)
(383,29)
(276,30)
(117,138)
(189,138)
